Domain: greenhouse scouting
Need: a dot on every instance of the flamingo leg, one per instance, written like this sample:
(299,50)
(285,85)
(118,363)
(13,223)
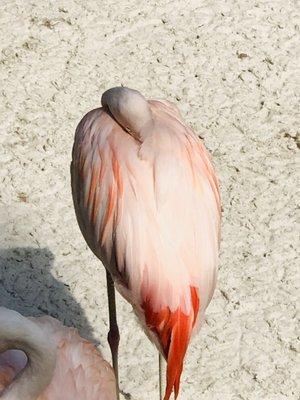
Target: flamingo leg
(161,372)
(113,336)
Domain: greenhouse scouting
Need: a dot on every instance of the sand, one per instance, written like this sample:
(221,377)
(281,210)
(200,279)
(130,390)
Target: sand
(231,68)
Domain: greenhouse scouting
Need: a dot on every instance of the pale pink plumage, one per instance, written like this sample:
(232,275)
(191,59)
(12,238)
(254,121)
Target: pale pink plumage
(148,206)
(80,372)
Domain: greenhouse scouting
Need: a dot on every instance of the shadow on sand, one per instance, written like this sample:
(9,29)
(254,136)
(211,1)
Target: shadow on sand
(27,286)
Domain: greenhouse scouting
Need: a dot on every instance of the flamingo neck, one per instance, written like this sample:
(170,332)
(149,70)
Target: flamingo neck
(18,332)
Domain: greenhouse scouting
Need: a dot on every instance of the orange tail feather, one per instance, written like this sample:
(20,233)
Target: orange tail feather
(173,330)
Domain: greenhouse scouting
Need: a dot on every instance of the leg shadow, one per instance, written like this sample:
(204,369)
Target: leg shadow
(27,286)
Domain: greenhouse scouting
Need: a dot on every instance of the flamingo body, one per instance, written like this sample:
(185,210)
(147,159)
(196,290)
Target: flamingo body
(147,201)
(80,372)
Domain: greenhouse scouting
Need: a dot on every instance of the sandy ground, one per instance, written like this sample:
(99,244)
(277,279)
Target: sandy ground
(231,68)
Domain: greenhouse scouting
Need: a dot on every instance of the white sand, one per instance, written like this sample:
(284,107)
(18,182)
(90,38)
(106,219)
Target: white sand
(231,68)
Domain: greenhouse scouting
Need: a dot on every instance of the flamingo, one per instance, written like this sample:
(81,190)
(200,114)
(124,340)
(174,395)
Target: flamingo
(147,202)
(41,359)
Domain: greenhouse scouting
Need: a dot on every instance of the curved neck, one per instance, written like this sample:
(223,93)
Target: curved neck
(18,332)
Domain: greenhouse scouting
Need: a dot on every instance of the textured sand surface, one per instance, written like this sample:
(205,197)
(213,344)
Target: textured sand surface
(231,68)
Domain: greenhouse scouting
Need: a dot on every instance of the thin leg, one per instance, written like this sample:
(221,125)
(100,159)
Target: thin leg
(113,336)
(161,371)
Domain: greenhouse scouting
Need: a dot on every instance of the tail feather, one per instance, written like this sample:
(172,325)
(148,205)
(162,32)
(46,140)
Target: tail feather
(173,330)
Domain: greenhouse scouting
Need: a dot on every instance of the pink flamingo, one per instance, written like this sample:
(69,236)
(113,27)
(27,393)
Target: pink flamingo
(40,359)
(147,201)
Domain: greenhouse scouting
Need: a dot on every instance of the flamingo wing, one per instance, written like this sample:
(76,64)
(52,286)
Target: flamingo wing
(151,212)
(80,371)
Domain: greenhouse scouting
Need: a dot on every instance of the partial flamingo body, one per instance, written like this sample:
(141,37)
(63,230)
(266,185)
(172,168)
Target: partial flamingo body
(58,364)
(147,201)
